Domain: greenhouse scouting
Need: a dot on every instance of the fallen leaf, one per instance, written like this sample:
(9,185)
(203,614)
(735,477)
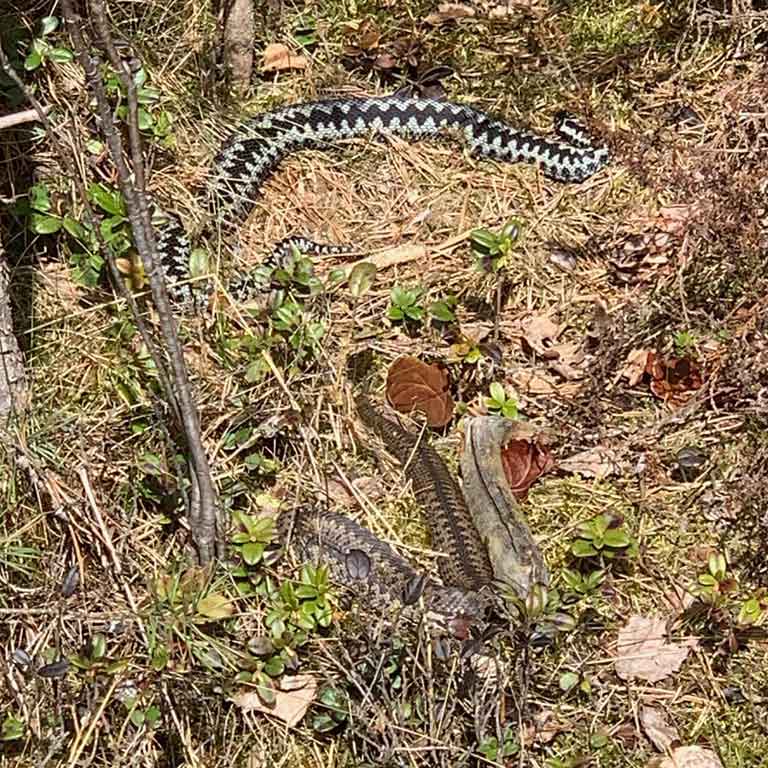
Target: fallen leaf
(634,366)
(215,606)
(292,699)
(673,379)
(389,258)
(691,757)
(278,57)
(523,462)
(643,652)
(338,492)
(543,729)
(538,383)
(659,732)
(368,35)
(539,333)
(595,462)
(449,12)
(415,385)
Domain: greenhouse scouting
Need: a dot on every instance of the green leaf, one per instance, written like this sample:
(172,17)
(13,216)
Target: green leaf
(198,262)
(395,313)
(568,680)
(215,606)
(49,24)
(60,55)
(361,278)
(147,94)
(509,409)
(442,312)
(33,61)
(583,548)
(571,578)
(109,200)
(497,393)
(138,717)
(39,198)
(484,238)
(252,552)
(414,313)
(265,689)
(159,657)
(145,120)
(98,646)
(616,538)
(45,225)
(275,666)
(153,714)
(717,565)
(323,723)
(11,729)
(74,228)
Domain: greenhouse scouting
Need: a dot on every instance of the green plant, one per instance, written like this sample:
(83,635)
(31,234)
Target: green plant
(256,534)
(493,249)
(405,304)
(142,716)
(41,51)
(685,343)
(335,710)
(94,661)
(541,609)
(303,606)
(716,584)
(442,310)
(582,584)
(603,537)
(500,402)
(493,750)
(82,243)
(571,681)
(12,728)
(152,119)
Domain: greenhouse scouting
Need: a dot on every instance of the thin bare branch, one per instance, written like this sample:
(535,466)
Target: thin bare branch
(204,521)
(19,118)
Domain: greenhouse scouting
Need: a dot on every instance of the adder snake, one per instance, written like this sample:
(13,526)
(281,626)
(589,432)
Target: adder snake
(354,554)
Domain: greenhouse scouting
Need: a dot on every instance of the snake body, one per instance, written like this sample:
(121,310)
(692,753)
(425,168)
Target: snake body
(354,555)
(256,150)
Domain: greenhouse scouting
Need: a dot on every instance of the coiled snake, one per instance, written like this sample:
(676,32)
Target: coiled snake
(354,554)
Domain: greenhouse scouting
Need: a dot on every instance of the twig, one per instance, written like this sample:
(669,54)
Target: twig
(204,522)
(17,118)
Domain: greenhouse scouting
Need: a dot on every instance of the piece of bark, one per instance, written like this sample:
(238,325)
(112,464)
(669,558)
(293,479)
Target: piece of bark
(238,45)
(14,394)
(515,557)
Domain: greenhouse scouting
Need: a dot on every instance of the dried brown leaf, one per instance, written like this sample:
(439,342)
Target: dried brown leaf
(415,385)
(596,462)
(524,461)
(540,333)
(673,379)
(292,699)
(449,12)
(634,366)
(659,732)
(644,653)
(278,57)
(691,757)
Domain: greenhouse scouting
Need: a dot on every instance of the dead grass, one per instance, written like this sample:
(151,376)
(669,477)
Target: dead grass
(633,69)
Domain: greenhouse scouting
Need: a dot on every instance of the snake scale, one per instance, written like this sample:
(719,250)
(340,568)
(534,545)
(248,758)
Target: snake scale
(354,555)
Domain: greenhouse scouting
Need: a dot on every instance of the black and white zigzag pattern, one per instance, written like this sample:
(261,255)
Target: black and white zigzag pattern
(258,148)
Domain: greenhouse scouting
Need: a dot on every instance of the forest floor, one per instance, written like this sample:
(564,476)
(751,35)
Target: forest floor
(627,325)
